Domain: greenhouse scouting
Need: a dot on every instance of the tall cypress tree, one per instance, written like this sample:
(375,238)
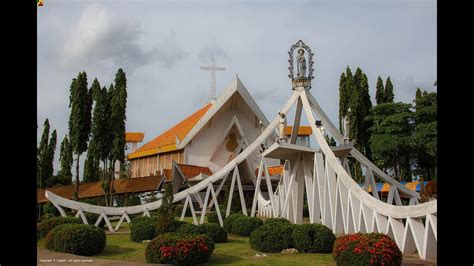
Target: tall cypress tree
(79,120)
(66,160)
(42,153)
(389,95)
(342,99)
(118,117)
(49,169)
(91,164)
(379,91)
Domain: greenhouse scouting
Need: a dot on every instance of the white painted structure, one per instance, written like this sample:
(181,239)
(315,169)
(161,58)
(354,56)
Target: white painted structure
(334,198)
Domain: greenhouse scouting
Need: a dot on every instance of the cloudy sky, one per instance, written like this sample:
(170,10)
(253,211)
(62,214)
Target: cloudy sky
(161,45)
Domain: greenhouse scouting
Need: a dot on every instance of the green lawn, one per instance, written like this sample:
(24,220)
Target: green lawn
(236,251)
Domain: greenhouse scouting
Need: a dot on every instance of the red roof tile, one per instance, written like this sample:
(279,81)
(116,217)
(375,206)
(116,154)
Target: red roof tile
(134,136)
(94,189)
(272,170)
(190,171)
(302,130)
(167,140)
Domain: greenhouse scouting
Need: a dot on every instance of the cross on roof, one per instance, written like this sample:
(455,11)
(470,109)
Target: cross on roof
(213,68)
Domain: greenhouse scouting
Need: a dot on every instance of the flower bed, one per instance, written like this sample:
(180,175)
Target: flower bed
(366,249)
(179,249)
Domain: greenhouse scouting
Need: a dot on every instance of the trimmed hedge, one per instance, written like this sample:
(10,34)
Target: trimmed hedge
(166,225)
(142,228)
(45,226)
(366,249)
(212,217)
(313,238)
(272,237)
(276,220)
(79,239)
(191,229)
(214,231)
(244,226)
(229,221)
(179,249)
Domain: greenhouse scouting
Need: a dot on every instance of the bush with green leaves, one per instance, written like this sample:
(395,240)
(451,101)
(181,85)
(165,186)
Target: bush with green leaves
(244,226)
(92,218)
(313,238)
(229,221)
(79,239)
(179,249)
(276,220)
(190,229)
(272,237)
(142,228)
(212,217)
(45,226)
(214,231)
(366,249)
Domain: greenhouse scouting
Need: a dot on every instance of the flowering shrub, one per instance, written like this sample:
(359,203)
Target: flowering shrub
(313,238)
(366,249)
(271,237)
(45,226)
(179,249)
(79,239)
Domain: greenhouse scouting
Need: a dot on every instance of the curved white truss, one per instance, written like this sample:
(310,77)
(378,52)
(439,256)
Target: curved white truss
(334,198)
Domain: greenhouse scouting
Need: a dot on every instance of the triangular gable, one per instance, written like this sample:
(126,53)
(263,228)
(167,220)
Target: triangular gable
(235,86)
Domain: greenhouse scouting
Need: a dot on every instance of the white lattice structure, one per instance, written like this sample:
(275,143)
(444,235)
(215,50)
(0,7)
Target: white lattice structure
(333,197)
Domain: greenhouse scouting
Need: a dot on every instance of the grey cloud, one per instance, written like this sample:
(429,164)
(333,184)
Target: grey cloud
(105,38)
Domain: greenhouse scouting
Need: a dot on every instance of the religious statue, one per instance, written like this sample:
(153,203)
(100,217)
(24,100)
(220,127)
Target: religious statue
(281,128)
(301,61)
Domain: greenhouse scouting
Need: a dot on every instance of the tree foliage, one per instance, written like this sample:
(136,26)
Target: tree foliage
(389,94)
(79,124)
(391,137)
(379,91)
(66,160)
(425,134)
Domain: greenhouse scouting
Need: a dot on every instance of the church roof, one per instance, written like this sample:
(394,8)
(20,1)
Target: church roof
(272,170)
(190,171)
(134,136)
(167,141)
(94,189)
(177,137)
(302,130)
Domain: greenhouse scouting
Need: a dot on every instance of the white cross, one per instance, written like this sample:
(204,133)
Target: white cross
(213,68)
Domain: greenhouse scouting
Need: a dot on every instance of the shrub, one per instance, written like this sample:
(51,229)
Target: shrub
(92,218)
(276,220)
(179,249)
(313,238)
(365,249)
(212,217)
(245,225)
(45,226)
(271,237)
(142,228)
(215,232)
(229,221)
(191,229)
(79,239)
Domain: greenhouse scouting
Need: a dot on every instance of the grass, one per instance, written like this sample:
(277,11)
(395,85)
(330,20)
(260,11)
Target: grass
(236,251)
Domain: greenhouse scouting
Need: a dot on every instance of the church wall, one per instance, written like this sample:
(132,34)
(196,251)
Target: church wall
(143,166)
(203,145)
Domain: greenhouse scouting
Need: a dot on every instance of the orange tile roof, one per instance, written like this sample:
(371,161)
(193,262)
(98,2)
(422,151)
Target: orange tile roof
(167,140)
(134,136)
(94,189)
(190,171)
(302,130)
(273,170)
